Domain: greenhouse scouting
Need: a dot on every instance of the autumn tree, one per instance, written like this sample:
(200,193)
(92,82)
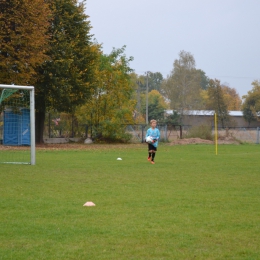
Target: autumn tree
(137,92)
(156,105)
(23,40)
(216,101)
(111,105)
(66,77)
(231,98)
(182,87)
(251,105)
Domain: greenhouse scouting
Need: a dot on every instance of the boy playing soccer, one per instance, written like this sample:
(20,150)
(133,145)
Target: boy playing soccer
(154,133)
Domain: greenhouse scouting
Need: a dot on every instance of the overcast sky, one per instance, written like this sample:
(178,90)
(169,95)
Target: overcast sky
(222,35)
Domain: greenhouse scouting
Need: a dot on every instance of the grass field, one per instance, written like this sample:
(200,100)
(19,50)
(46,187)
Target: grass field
(191,204)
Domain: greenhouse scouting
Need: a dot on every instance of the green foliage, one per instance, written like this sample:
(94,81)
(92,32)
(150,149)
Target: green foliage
(204,82)
(248,114)
(251,105)
(155,80)
(156,105)
(155,111)
(216,101)
(111,104)
(201,131)
(110,132)
(190,203)
(66,77)
(173,119)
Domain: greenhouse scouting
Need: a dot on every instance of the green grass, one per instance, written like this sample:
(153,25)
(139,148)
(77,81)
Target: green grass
(191,204)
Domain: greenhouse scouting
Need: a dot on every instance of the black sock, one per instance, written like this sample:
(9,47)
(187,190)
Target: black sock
(149,155)
(153,155)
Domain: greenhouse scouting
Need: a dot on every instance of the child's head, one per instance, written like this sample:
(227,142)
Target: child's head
(153,123)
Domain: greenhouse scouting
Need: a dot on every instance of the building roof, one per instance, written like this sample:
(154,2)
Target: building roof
(204,112)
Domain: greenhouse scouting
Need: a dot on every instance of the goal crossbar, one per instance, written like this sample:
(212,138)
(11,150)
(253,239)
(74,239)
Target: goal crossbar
(32,116)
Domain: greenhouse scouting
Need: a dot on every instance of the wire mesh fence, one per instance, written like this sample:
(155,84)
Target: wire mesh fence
(65,126)
(62,125)
(168,132)
(243,134)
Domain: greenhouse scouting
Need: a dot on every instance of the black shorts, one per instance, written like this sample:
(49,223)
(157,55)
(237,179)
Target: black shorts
(151,148)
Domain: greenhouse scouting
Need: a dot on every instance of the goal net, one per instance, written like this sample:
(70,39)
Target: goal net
(17,125)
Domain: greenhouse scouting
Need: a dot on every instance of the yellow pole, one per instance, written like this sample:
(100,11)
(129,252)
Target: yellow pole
(216,133)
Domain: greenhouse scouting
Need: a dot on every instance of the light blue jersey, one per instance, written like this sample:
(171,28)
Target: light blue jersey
(155,134)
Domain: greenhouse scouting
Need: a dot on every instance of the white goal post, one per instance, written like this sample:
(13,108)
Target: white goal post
(31,117)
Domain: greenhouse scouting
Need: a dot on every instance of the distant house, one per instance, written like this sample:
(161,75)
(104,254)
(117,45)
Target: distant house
(200,117)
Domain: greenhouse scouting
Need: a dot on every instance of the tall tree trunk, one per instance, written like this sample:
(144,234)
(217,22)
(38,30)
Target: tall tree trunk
(39,125)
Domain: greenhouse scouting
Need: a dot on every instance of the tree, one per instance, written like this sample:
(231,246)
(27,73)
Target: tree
(112,104)
(216,101)
(66,78)
(173,119)
(251,105)
(135,82)
(23,40)
(182,86)
(155,80)
(204,79)
(231,98)
(204,99)
(248,114)
(156,105)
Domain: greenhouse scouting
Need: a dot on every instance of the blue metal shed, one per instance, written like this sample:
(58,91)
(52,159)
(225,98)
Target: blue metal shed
(16,127)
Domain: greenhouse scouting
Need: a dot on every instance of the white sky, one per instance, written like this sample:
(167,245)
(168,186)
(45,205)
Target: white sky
(222,35)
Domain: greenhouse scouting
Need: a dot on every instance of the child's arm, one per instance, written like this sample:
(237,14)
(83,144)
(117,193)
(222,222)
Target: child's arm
(158,134)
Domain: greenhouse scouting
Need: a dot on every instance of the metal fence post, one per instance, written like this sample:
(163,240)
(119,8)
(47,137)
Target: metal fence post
(49,125)
(257,135)
(142,133)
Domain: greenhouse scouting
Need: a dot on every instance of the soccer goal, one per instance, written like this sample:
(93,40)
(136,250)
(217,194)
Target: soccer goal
(17,124)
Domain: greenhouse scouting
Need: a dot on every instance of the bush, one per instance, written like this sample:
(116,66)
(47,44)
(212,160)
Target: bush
(109,132)
(202,131)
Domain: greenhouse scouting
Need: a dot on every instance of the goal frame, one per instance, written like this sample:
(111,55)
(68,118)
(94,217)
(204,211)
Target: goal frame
(32,118)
